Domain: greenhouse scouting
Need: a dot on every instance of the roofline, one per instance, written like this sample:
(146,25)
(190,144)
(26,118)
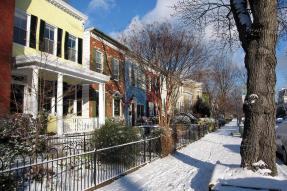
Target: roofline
(69,9)
(108,38)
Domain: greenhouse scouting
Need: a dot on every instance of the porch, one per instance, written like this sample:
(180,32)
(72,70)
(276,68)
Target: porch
(59,91)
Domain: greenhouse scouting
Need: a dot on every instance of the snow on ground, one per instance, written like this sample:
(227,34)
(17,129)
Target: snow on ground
(190,168)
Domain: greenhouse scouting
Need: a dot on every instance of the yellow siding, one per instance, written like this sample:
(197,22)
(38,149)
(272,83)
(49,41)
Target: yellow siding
(51,15)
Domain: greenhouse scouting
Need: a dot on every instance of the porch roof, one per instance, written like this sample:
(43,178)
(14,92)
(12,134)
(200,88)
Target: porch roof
(58,66)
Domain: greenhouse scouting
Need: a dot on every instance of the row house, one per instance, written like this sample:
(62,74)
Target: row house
(189,93)
(76,77)
(105,56)
(49,74)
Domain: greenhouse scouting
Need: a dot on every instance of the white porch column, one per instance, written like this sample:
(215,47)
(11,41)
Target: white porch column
(85,97)
(60,122)
(101,104)
(53,101)
(75,109)
(34,92)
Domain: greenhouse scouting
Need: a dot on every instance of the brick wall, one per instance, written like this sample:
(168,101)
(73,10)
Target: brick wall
(111,86)
(7,8)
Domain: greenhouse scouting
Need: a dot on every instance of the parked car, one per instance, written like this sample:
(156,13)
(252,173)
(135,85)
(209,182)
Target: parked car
(281,140)
(279,120)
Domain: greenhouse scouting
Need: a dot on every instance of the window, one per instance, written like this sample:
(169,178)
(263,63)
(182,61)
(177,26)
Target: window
(71,46)
(97,61)
(117,106)
(20,28)
(115,67)
(140,111)
(49,39)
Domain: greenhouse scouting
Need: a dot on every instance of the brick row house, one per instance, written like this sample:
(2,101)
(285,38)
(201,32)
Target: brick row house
(75,76)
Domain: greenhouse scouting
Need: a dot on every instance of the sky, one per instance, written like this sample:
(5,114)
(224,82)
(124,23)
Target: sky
(116,16)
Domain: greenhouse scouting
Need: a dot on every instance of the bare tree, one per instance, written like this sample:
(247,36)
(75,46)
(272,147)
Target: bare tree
(256,25)
(173,56)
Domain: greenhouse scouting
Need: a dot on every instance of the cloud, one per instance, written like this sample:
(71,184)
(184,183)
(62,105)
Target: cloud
(101,4)
(162,12)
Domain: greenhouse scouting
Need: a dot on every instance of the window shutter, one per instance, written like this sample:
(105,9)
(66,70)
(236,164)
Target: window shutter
(33,30)
(42,30)
(106,65)
(59,42)
(80,50)
(66,45)
(121,71)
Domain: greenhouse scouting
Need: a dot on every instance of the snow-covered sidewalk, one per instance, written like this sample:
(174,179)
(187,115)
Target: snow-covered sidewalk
(190,168)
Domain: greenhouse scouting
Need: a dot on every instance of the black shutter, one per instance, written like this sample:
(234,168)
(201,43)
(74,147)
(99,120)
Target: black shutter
(59,42)
(66,45)
(33,30)
(42,30)
(80,50)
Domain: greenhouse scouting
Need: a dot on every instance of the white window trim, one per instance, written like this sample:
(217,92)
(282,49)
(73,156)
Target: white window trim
(117,60)
(55,38)
(21,13)
(114,108)
(55,41)
(102,59)
(28,30)
(77,49)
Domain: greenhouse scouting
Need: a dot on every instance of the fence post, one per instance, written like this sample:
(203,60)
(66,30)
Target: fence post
(95,167)
(149,145)
(144,149)
(84,142)
(189,135)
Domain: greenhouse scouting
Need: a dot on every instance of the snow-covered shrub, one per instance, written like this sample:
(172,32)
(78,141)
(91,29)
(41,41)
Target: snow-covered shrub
(209,122)
(112,134)
(19,136)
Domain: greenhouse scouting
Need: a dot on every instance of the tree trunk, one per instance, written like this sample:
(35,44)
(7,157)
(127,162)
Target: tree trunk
(259,43)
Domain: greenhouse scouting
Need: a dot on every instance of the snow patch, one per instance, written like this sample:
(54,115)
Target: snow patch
(259,164)
(253,96)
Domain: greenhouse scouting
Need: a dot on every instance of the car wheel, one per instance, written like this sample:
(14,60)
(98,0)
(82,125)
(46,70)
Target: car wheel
(284,156)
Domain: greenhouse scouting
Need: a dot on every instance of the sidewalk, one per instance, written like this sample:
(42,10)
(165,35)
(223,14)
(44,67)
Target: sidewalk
(190,168)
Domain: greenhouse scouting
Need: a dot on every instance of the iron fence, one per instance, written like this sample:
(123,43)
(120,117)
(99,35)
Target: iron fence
(79,171)
(186,134)
(79,141)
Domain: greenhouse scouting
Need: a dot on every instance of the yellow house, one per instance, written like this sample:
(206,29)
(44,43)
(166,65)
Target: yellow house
(51,71)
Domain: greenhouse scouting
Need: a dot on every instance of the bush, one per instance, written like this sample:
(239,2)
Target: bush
(201,108)
(19,136)
(280,112)
(209,122)
(114,133)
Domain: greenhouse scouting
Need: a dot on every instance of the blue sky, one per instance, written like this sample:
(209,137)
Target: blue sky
(112,16)
(115,16)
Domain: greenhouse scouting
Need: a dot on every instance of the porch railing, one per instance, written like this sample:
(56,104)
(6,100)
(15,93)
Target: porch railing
(80,125)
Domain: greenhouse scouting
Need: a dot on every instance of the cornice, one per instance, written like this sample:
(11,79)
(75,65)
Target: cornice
(69,9)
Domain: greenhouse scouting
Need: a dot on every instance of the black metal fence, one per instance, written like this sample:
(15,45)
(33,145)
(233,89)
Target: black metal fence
(77,168)
(79,141)
(79,171)
(186,134)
